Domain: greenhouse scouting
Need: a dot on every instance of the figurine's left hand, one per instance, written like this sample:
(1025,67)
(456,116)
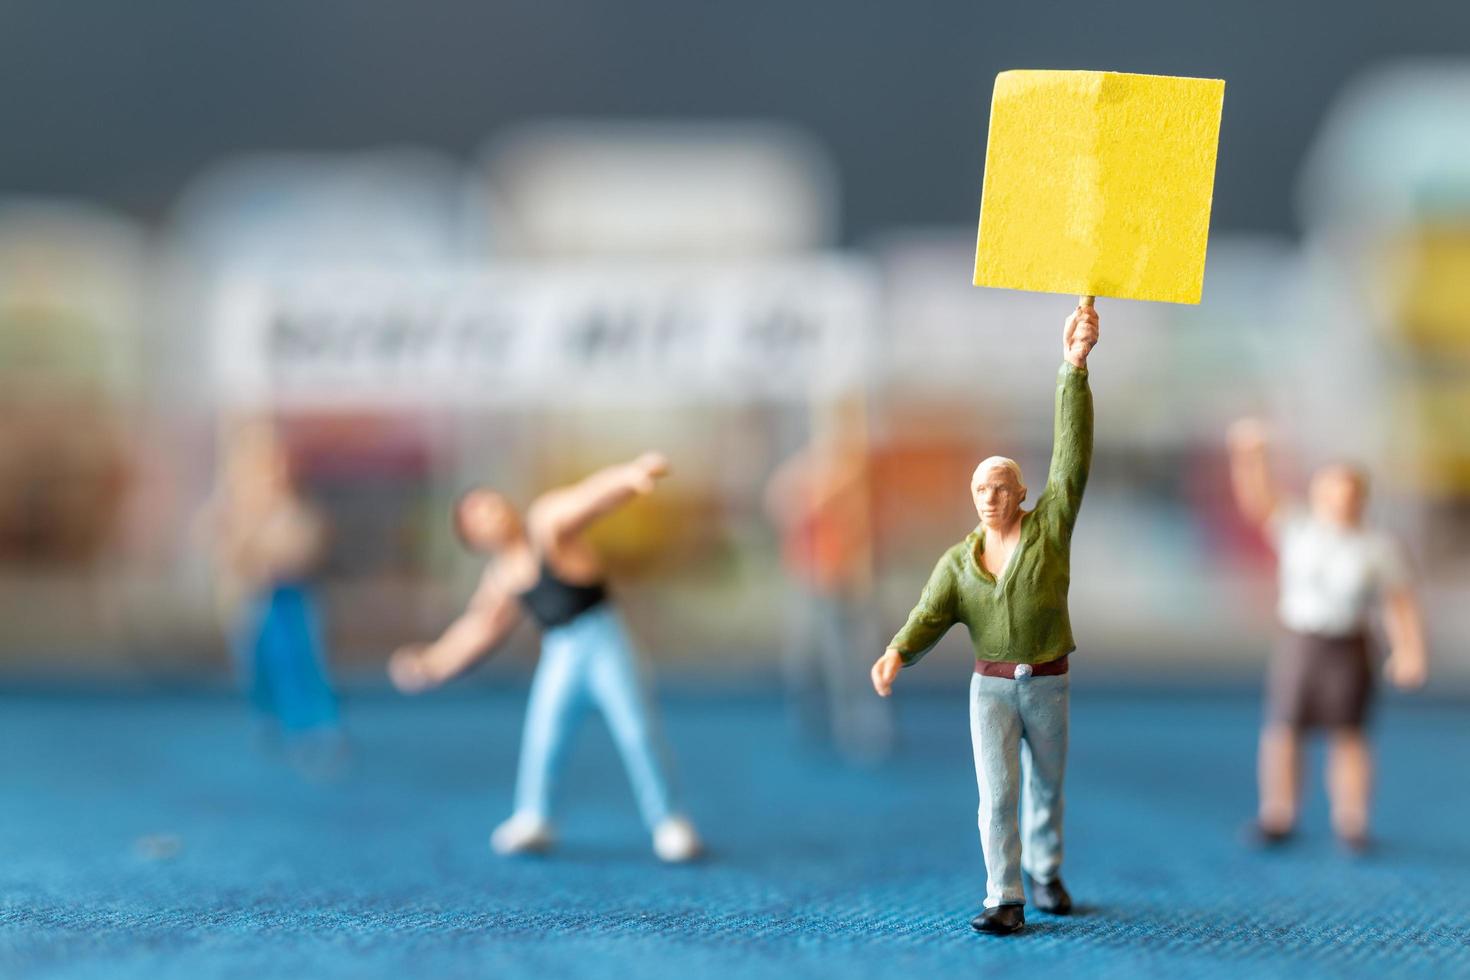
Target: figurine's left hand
(1405,671)
(1079,336)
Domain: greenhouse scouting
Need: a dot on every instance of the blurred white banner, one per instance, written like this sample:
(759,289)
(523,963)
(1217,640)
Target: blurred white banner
(536,334)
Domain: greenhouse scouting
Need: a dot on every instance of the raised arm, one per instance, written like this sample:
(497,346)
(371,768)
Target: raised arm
(565,512)
(488,620)
(1071,452)
(1255,490)
(926,625)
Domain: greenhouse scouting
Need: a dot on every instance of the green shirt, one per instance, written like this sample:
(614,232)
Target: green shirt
(1023,616)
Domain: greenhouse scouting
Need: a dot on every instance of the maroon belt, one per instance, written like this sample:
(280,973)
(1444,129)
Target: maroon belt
(1013,671)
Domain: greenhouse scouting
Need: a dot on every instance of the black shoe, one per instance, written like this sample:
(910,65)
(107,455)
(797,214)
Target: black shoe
(1001,920)
(1258,834)
(1049,896)
(1358,845)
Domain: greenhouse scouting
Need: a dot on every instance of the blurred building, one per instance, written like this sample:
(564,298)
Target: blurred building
(74,287)
(578,291)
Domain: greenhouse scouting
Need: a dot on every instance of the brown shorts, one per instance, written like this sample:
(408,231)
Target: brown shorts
(1320,681)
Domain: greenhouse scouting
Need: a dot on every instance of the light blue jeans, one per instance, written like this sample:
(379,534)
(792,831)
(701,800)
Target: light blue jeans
(1019,732)
(587,660)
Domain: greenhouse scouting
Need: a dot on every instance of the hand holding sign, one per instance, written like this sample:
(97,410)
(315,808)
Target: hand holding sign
(1079,335)
(1099,184)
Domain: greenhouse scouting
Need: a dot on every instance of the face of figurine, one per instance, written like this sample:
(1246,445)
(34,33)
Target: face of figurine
(486,521)
(997,490)
(1338,495)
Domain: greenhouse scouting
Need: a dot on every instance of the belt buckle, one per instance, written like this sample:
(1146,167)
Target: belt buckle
(1023,671)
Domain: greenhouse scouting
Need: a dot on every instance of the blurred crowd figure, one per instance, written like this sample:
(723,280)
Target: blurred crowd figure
(1332,569)
(266,542)
(821,501)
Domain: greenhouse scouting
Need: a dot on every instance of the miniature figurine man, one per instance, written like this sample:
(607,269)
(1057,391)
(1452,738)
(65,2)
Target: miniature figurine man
(1007,582)
(821,500)
(1332,568)
(543,566)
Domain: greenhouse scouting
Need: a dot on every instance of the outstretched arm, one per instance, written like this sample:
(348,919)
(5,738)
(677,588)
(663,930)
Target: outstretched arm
(565,512)
(1250,472)
(491,616)
(927,624)
(1071,452)
(1408,664)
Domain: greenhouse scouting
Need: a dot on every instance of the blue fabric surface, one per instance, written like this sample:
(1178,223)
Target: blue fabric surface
(151,838)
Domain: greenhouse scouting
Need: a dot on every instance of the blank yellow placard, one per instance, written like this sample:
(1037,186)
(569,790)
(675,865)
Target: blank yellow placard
(1099,183)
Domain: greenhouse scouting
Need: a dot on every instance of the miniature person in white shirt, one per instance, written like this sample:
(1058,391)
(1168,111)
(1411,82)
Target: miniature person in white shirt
(1333,569)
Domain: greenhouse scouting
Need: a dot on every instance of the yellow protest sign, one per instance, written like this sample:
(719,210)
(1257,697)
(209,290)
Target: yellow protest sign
(1099,183)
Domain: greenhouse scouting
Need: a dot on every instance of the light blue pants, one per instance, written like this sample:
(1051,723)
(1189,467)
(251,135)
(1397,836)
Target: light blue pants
(591,659)
(1019,732)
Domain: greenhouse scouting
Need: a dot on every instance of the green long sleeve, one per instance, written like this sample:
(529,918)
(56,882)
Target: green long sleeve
(1022,617)
(1071,452)
(932,617)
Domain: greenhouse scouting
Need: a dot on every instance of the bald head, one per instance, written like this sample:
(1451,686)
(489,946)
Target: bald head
(997,490)
(1009,469)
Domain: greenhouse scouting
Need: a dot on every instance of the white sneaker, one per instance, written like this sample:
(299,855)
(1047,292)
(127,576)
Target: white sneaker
(675,841)
(523,833)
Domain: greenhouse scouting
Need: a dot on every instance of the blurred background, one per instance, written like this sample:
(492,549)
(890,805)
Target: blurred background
(458,242)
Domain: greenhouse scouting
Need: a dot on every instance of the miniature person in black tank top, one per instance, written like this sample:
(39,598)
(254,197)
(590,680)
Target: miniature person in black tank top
(543,567)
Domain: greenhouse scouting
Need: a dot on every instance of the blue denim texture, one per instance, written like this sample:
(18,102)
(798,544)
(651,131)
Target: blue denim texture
(148,837)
